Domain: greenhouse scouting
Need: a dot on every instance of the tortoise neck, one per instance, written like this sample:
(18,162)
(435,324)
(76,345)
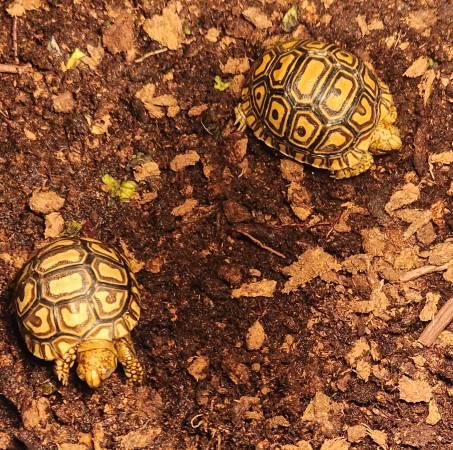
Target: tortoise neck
(95,344)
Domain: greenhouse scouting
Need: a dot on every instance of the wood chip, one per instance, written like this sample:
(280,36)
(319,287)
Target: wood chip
(155,104)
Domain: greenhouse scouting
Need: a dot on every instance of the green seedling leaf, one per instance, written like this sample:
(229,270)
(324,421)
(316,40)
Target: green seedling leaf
(127,190)
(220,85)
(73,228)
(74,59)
(124,191)
(112,185)
(290,19)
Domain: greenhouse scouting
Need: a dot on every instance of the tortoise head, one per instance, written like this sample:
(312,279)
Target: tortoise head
(97,360)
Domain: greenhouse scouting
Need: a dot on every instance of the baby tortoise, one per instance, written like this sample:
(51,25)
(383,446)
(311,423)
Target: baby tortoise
(320,105)
(77,299)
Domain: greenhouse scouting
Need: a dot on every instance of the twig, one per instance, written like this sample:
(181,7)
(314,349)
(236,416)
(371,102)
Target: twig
(438,324)
(260,244)
(420,271)
(152,53)
(12,68)
(14,38)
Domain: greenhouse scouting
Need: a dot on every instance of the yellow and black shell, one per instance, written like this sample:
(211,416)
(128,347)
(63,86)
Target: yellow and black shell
(312,101)
(75,290)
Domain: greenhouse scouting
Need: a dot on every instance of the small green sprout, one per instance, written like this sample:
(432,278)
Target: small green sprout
(72,228)
(127,190)
(123,190)
(290,19)
(220,85)
(74,59)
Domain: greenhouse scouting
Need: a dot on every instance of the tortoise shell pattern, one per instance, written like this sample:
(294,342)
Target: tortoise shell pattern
(74,290)
(312,101)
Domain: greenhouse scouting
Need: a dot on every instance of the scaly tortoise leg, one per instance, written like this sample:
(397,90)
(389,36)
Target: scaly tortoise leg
(63,365)
(362,164)
(128,358)
(240,121)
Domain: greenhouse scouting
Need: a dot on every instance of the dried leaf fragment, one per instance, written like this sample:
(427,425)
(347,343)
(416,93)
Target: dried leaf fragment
(430,309)
(63,102)
(167,28)
(137,439)
(120,37)
(180,162)
(445,158)
(313,263)
(414,391)
(418,67)
(146,170)
(422,19)
(262,288)
(257,17)
(434,415)
(54,225)
(45,202)
(234,66)
(18,8)
(337,443)
(154,105)
(255,336)
(184,208)
(408,194)
(198,367)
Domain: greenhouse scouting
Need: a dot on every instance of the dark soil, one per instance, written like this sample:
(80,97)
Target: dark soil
(193,262)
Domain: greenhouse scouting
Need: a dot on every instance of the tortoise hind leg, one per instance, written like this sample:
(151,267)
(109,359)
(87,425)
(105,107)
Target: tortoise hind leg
(240,121)
(128,358)
(386,136)
(63,365)
(358,161)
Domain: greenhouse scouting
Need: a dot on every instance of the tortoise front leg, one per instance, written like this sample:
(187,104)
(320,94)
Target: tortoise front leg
(63,365)
(128,358)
